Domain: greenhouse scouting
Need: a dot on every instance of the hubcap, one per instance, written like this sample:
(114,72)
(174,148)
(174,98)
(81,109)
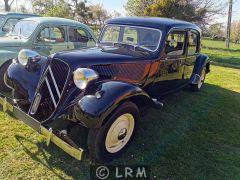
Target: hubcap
(120,133)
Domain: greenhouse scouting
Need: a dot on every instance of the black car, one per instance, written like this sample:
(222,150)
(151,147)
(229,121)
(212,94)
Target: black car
(135,63)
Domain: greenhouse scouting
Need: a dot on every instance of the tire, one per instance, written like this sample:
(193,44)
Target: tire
(120,126)
(3,69)
(197,87)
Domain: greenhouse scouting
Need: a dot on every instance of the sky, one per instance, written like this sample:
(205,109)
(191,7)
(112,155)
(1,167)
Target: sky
(118,5)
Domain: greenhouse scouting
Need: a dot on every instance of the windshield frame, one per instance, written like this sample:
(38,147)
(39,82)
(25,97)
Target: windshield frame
(3,18)
(130,26)
(37,24)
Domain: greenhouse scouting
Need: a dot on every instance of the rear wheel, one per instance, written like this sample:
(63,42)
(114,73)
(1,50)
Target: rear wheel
(198,86)
(109,141)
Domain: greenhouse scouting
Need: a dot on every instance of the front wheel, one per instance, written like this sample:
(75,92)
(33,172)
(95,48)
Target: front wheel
(109,141)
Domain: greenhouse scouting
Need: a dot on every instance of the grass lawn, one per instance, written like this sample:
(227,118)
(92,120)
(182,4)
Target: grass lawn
(195,136)
(218,52)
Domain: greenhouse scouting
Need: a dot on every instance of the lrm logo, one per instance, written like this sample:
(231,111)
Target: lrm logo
(120,172)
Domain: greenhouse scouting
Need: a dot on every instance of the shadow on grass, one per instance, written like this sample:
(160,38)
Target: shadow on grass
(196,135)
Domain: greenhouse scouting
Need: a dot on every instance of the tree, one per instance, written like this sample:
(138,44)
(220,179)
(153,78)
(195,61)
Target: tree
(235,34)
(100,15)
(116,14)
(216,31)
(8,4)
(198,11)
(58,8)
(137,7)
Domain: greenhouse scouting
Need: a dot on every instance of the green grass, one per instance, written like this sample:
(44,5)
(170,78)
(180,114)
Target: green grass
(195,136)
(218,52)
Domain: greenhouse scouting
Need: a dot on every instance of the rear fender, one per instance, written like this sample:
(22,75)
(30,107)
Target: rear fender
(201,62)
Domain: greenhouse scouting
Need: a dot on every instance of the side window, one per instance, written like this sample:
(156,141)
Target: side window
(9,25)
(57,34)
(80,38)
(175,43)
(193,42)
(130,36)
(51,35)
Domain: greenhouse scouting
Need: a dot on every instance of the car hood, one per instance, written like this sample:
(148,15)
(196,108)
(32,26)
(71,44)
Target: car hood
(6,42)
(97,55)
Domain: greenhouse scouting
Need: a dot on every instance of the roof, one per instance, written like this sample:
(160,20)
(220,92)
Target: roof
(17,14)
(55,20)
(153,22)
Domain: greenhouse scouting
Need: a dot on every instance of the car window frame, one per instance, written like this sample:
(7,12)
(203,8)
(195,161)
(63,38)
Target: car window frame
(185,43)
(35,42)
(83,28)
(7,19)
(198,42)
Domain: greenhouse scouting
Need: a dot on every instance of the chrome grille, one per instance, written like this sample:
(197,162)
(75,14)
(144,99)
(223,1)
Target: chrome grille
(51,89)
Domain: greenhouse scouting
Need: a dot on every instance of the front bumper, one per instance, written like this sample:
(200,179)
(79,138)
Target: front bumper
(34,124)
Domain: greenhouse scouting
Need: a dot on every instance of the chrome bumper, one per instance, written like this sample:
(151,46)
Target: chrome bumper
(34,124)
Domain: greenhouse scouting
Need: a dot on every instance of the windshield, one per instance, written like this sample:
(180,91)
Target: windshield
(2,18)
(146,38)
(24,29)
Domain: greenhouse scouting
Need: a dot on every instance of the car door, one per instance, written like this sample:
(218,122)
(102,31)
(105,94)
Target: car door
(170,76)
(193,47)
(79,37)
(51,39)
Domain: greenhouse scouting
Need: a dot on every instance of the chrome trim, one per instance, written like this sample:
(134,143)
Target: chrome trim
(36,103)
(54,81)
(50,91)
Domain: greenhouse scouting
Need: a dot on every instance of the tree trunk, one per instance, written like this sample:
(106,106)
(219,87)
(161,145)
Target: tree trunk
(7,5)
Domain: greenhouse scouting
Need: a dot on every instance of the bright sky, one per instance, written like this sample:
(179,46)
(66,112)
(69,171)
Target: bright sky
(118,5)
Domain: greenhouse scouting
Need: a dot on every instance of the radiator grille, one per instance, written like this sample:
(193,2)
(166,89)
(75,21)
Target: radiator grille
(51,89)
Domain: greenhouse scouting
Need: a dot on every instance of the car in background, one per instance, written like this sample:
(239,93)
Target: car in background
(9,19)
(45,35)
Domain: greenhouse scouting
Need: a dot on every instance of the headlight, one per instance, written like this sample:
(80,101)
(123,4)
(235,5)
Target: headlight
(82,76)
(25,55)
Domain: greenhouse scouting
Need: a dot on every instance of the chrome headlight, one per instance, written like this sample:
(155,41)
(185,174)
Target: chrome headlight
(82,76)
(25,55)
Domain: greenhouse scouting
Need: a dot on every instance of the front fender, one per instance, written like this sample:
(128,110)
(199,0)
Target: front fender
(6,55)
(201,62)
(24,80)
(92,110)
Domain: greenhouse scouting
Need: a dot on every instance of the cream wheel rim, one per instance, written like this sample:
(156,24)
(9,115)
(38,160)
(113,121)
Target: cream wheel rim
(120,133)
